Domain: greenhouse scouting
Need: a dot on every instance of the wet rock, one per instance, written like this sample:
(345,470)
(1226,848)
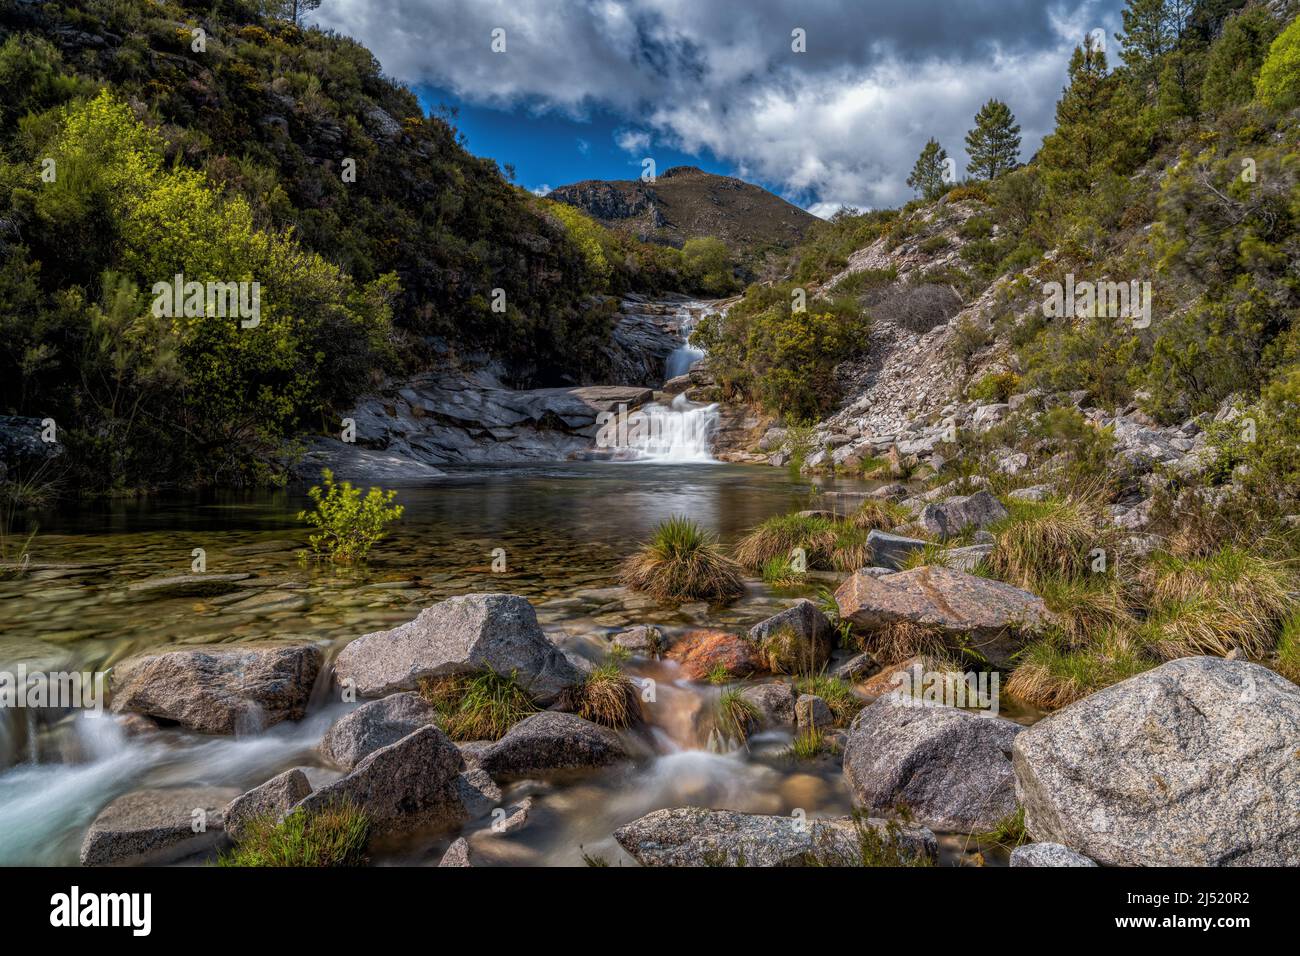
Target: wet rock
(219,690)
(513,817)
(992,617)
(892,550)
(461,635)
(274,798)
(407,786)
(775,703)
(376,724)
(951,768)
(1190,764)
(642,640)
(699,652)
(1047,854)
(798,640)
(478,792)
(153,827)
(692,836)
(811,713)
(552,741)
(458,854)
(950,518)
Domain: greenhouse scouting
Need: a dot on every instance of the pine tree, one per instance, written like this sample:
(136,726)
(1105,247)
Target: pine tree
(994,143)
(1236,57)
(1082,133)
(1145,41)
(928,174)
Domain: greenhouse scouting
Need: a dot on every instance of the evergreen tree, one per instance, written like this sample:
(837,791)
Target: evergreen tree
(1235,59)
(994,143)
(1145,40)
(1082,117)
(928,174)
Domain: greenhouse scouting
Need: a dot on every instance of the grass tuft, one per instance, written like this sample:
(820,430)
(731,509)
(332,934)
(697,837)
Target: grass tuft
(1051,674)
(605,696)
(680,562)
(332,836)
(839,696)
(737,717)
(477,706)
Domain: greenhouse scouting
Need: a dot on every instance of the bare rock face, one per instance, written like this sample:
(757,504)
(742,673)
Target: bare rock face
(376,724)
(797,640)
(462,635)
(692,836)
(990,616)
(409,785)
(951,768)
(154,827)
(950,518)
(1047,854)
(699,652)
(1190,764)
(219,690)
(274,798)
(552,741)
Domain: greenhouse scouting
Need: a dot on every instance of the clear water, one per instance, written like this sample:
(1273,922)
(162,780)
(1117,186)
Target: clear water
(564,529)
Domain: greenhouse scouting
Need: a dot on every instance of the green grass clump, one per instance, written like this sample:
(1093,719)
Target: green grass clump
(1086,605)
(1288,649)
(780,572)
(605,696)
(874,515)
(682,562)
(1050,673)
(737,717)
(479,706)
(332,836)
(1041,539)
(839,696)
(1008,833)
(779,536)
(808,745)
(1232,599)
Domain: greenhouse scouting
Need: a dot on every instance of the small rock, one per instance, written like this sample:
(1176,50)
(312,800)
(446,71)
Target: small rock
(950,518)
(642,640)
(274,799)
(798,640)
(552,741)
(478,792)
(375,724)
(699,652)
(458,854)
(892,550)
(812,713)
(1047,854)
(775,703)
(857,668)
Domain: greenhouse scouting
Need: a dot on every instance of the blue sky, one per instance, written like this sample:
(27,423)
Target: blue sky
(717,83)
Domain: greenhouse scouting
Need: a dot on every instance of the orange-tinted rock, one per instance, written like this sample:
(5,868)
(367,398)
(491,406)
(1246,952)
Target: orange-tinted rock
(700,652)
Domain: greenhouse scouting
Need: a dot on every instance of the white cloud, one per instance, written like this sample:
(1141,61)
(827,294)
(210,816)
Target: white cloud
(543,190)
(842,123)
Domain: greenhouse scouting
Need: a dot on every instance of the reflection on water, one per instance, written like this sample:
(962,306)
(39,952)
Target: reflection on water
(564,528)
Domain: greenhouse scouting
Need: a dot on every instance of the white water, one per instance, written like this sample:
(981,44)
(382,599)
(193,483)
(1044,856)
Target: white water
(674,434)
(686,355)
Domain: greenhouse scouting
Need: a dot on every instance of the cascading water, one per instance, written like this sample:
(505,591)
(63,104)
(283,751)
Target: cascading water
(681,432)
(686,355)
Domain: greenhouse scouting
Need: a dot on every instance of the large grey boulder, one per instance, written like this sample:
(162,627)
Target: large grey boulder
(892,550)
(1193,763)
(1047,854)
(219,690)
(462,635)
(950,518)
(552,741)
(406,786)
(375,724)
(951,768)
(272,799)
(797,640)
(692,836)
(154,827)
(988,616)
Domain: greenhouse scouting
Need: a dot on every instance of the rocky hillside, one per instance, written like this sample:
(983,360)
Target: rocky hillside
(687,203)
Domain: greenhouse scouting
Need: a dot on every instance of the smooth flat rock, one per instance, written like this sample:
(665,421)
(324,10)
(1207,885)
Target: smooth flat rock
(155,827)
(186,585)
(693,836)
(552,741)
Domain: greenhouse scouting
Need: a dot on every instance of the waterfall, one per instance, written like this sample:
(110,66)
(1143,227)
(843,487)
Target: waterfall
(678,433)
(686,355)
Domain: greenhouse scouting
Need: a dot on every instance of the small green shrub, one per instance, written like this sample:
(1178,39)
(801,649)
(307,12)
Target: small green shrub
(477,706)
(995,387)
(349,524)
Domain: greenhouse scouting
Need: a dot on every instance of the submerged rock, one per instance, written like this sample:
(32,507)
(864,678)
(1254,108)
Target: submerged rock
(552,741)
(642,640)
(406,786)
(1193,763)
(462,635)
(187,585)
(274,799)
(376,724)
(699,652)
(991,617)
(951,768)
(797,640)
(219,690)
(1047,854)
(692,836)
(153,827)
